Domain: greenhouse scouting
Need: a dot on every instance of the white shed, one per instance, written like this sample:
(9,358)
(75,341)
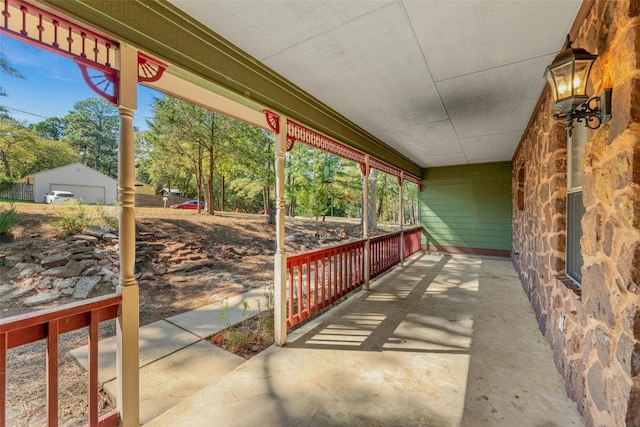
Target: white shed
(84,182)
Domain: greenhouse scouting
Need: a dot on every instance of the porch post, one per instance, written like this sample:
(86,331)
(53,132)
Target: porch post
(127,324)
(365,223)
(280,260)
(401,217)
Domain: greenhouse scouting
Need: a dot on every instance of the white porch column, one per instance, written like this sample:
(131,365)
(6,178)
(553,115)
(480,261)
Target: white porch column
(280,260)
(401,218)
(365,223)
(127,326)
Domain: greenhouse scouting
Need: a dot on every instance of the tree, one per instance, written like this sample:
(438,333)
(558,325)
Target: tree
(252,172)
(23,153)
(162,155)
(410,203)
(92,129)
(387,198)
(315,179)
(51,128)
(303,179)
(12,135)
(201,137)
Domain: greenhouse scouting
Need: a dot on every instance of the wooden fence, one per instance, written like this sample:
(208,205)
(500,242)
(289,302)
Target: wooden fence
(149,201)
(18,192)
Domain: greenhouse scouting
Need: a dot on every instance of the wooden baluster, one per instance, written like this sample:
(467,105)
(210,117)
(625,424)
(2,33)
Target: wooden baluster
(308,286)
(93,368)
(4,344)
(324,279)
(299,289)
(290,293)
(24,11)
(316,299)
(52,373)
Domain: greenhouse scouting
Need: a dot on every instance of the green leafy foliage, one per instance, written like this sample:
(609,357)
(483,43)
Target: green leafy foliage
(194,149)
(23,153)
(252,172)
(320,184)
(9,218)
(92,129)
(6,182)
(13,138)
(52,128)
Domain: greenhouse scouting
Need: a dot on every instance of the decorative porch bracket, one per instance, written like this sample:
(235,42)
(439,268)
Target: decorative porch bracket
(103,82)
(93,53)
(149,69)
(298,132)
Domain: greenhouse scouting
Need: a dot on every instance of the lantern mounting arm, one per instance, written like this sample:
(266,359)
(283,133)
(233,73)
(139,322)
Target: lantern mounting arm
(594,112)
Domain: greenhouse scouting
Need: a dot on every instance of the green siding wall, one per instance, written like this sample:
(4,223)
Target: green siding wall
(467,207)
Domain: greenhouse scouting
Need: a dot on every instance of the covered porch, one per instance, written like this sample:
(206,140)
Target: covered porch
(446,340)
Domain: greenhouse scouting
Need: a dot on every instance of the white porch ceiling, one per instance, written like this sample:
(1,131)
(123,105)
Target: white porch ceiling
(442,82)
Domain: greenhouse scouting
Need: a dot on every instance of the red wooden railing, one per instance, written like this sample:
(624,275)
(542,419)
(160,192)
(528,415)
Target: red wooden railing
(385,253)
(411,241)
(316,279)
(319,278)
(49,324)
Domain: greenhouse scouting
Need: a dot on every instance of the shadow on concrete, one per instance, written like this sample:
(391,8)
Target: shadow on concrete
(387,317)
(399,355)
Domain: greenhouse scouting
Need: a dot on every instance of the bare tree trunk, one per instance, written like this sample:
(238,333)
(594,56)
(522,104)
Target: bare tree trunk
(5,163)
(199,176)
(210,207)
(209,190)
(222,194)
(288,209)
(362,202)
(412,212)
(373,185)
(292,208)
(265,199)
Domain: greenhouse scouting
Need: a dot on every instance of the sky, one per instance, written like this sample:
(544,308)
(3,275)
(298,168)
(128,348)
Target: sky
(52,85)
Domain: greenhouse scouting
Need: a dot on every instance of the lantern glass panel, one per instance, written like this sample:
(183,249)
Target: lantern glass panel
(552,83)
(580,76)
(563,75)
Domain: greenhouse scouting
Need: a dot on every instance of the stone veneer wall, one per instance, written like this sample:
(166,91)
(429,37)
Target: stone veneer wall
(594,330)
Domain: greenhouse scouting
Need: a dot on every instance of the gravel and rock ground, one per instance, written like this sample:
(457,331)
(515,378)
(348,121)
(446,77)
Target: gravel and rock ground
(184,260)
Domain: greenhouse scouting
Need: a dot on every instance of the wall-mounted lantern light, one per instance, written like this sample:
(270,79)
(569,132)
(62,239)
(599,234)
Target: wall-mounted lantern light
(567,76)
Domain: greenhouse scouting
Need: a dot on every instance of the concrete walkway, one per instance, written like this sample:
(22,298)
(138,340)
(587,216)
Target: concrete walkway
(175,360)
(445,341)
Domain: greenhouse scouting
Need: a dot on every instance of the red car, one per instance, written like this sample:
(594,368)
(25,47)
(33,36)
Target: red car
(190,204)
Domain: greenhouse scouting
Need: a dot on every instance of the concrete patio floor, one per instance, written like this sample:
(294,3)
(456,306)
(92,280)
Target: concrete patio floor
(444,341)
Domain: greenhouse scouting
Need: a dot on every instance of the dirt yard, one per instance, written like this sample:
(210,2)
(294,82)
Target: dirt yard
(233,252)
